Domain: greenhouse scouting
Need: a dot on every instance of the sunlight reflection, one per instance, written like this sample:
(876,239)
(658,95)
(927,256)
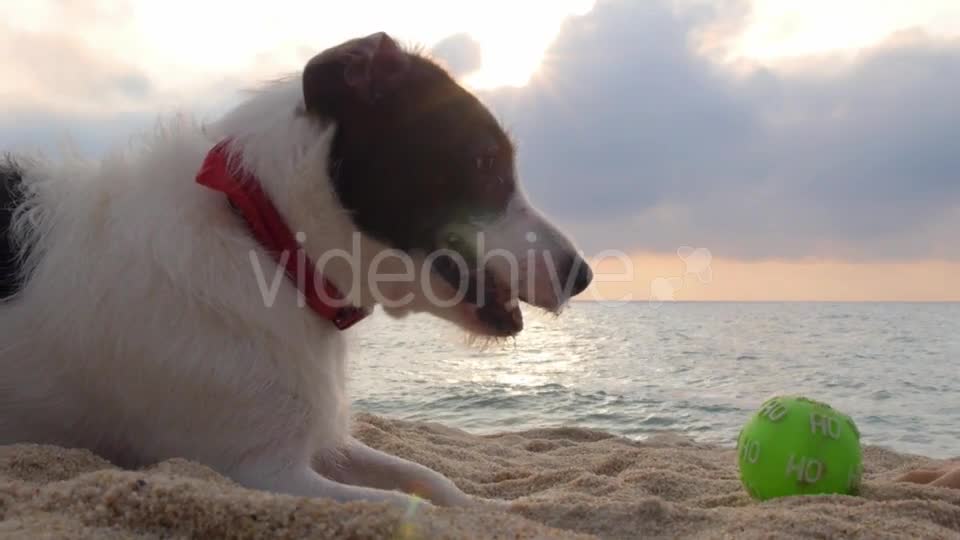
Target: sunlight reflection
(514,47)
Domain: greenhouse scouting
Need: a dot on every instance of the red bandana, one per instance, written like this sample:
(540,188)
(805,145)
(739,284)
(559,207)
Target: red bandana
(268,227)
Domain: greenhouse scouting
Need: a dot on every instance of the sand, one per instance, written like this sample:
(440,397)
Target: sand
(566,483)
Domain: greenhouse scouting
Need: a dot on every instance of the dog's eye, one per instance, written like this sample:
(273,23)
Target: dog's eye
(486,163)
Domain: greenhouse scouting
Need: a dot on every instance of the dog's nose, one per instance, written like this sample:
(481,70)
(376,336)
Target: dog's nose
(580,275)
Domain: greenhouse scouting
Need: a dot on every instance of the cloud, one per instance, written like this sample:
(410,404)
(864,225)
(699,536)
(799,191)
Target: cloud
(634,140)
(459,53)
(62,91)
(630,136)
(59,72)
(32,130)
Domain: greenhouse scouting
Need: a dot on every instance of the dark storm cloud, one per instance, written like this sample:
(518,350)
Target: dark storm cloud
(634,140)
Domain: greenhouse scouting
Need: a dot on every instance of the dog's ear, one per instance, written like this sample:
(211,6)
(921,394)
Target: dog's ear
(361,70)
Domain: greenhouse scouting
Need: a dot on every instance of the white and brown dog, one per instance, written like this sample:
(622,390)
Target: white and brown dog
(146,312)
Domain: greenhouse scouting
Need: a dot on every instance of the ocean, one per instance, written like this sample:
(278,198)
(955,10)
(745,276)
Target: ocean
(699,369)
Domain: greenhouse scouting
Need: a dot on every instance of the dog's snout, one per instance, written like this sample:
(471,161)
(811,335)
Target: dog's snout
(579,275)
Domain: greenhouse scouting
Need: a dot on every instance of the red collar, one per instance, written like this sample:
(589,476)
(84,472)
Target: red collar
(268,227)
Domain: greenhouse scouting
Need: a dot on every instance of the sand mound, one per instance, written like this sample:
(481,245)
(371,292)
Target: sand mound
(568,483)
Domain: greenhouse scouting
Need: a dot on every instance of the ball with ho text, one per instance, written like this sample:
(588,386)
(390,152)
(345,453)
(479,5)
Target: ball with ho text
(799,446)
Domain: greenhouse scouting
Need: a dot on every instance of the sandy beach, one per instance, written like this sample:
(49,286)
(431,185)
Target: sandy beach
(565,483)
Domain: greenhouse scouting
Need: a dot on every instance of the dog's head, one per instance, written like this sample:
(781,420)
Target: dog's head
(424,168)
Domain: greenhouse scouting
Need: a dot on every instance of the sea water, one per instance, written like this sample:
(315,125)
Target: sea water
(700,369)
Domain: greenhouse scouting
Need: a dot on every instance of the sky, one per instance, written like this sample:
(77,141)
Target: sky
(811,149)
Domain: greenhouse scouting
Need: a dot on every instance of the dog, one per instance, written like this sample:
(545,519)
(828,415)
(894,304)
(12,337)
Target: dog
(157,303)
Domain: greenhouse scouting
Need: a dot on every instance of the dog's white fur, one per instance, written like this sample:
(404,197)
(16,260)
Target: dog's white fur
(142,334)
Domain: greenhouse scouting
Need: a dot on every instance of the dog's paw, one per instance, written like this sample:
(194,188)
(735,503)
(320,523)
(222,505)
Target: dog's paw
(500,505)
(406,503)
(440,491)
(445,493)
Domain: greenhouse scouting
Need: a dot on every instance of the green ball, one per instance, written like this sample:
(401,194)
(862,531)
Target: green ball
(798,446)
